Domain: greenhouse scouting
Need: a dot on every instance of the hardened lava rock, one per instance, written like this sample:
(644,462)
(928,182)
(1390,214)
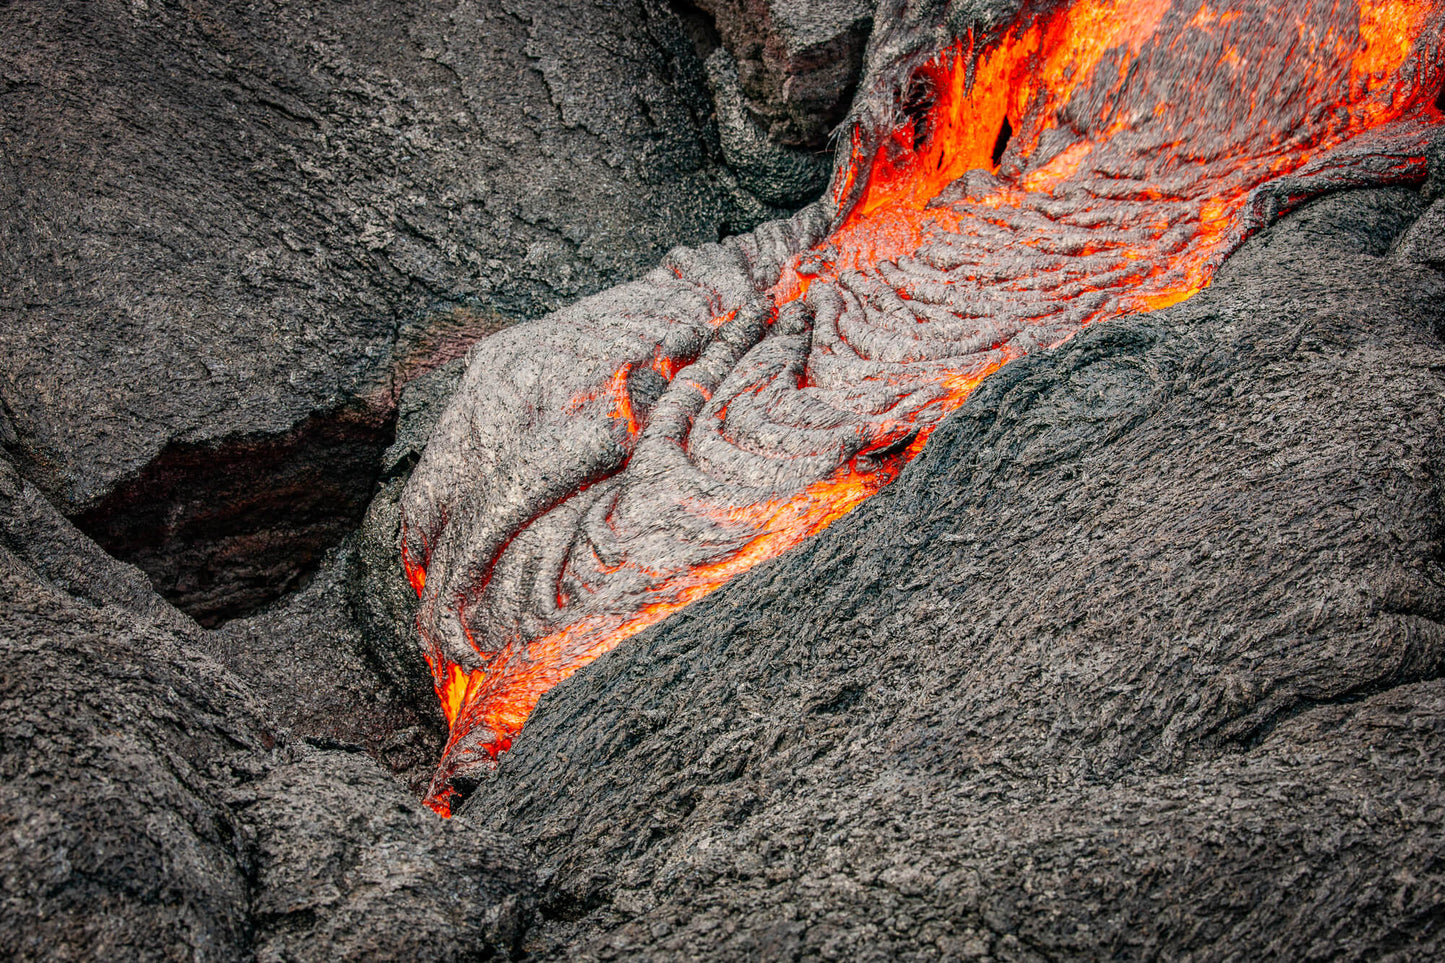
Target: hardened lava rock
(152,808)
(229,232)
(797,61)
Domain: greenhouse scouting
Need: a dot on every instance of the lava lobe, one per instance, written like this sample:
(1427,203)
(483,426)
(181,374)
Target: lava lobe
(611,463)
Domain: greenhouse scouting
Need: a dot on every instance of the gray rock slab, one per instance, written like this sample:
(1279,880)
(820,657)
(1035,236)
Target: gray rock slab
(349,867)
(224,228)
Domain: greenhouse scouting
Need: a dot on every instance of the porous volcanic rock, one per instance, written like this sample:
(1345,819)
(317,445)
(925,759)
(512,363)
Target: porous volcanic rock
(151,807)
(333,668)
(228,232)
(1142,657)
(782,75)
(773,173)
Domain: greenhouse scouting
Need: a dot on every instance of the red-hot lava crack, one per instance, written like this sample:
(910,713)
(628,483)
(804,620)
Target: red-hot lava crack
(618,460)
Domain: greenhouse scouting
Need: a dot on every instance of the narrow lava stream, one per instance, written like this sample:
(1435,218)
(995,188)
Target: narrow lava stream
(604,467)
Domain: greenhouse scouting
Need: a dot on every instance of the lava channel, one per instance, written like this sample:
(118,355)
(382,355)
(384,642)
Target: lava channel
(607,465)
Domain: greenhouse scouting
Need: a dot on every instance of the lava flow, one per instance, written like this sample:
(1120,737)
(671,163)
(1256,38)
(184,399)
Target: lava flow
(606,466)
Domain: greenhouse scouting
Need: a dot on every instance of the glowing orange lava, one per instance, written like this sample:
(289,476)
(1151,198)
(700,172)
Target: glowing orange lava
(1049,172)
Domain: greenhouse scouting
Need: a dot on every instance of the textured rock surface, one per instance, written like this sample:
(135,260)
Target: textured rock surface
(150,806)
(338,660)
(1141,657)
(349,867)
(773,173)
(333,668)
(220,223)
(798,61)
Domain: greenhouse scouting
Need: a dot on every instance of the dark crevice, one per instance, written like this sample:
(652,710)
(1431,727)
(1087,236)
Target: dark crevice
(463,788)
(700,27)
(222,529)
(1440,101)
(559,907)
(918,102)
(1414,931)
(1000,144)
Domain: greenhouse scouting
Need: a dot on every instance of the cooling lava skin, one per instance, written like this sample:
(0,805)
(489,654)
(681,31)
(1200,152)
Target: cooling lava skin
(615,461)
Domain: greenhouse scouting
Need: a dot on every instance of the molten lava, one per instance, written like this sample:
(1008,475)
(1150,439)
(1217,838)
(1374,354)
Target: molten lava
(608,465)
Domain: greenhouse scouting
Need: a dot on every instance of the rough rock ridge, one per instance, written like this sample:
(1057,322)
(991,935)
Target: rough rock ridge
(797,62)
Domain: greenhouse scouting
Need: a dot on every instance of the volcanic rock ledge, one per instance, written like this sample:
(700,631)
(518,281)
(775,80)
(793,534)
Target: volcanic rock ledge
(797,61)
(1141,657)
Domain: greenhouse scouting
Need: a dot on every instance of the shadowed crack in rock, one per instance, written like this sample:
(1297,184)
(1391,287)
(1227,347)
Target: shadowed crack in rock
(223,528)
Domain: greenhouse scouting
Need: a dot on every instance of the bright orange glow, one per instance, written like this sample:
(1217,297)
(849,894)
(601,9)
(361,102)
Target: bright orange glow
(415,573)
(453,690)
(1034,71)
(622,400)
(1155,192)
(1388,29)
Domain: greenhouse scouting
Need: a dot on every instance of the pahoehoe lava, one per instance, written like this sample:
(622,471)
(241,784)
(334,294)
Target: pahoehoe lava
(1140,656)
(609,464)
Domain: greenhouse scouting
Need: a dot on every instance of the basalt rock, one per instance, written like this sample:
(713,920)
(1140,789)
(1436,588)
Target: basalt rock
(798,63)
(230,232)
(332,666)
(1141,658)
(773,173)
(782,76)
